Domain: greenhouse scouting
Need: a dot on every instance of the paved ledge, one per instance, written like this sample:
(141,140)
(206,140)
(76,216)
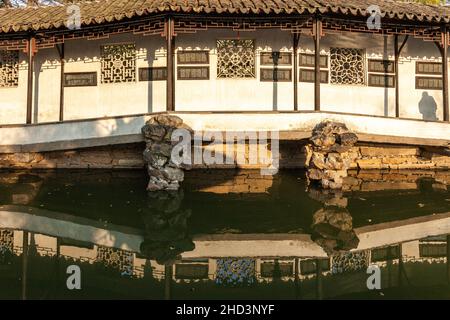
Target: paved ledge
(291,125)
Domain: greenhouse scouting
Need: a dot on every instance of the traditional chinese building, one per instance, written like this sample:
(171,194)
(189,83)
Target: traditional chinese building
(97,69)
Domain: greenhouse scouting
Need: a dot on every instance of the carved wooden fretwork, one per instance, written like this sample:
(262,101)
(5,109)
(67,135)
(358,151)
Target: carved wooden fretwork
(347,66)
(9,68)
(118,63)
(235,58)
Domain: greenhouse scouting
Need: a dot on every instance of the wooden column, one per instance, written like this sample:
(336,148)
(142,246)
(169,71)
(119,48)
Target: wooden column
(24,264)
(317,33)
(397,51)
(448,259)
(295,41)
(170,39)
(31,50)
(445,40)
(168,274)
(61,88)
(397,91)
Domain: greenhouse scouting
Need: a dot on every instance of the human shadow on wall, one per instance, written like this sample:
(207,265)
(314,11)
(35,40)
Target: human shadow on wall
(428,107)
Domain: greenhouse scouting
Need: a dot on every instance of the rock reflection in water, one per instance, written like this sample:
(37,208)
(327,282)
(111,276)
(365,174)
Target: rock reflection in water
(333,224)
(166,228)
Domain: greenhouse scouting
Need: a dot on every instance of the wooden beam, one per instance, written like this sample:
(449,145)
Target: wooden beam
(445,40)
(61,87)
(317,33)
(170,44)
(296,38)
(31,47)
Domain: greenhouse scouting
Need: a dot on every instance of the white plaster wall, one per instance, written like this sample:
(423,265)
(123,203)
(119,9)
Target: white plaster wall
(115,98)
(13,101)
(214,94)
(47,75)
(218,94)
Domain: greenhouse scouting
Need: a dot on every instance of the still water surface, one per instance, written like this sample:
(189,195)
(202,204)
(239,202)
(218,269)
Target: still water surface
(225,235)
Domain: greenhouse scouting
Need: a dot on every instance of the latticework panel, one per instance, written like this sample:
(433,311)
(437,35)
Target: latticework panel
(235,58)
(116,259)
(118,63)
(6,240)
(9,68)
(350,262)
(347,66)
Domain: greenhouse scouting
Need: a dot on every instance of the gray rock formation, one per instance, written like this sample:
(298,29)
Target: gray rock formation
(327,154)
(164,174)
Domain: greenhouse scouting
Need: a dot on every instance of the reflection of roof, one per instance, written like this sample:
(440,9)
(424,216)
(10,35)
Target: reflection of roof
(106,11)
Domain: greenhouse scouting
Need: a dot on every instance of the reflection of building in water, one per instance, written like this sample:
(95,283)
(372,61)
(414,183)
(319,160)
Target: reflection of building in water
(125,262)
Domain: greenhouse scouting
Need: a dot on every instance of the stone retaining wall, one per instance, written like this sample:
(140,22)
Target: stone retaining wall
(292,155)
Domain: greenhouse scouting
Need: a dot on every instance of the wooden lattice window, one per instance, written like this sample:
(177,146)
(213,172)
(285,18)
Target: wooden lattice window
(276,58)
(428,67)
(347,66)
(428,83)
(193,73)
(153,74)
(308,60)
(9,68)
(278,66)
(426,70)
(307,70)
(118,63)
(193,65)
(308,75)
(193,57)
(276,75)
(381,73)
(235,58)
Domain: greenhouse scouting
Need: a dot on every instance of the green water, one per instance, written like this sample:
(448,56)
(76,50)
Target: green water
(227,235)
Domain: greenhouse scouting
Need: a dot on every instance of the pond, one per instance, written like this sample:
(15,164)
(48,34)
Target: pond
(226,234)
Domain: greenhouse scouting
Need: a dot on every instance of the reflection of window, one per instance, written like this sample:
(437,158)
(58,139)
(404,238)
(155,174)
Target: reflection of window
(387,253)
(191,271)
(434,250)
(307,71)
(310,266)
(235,58)
(118,63)
(116,259)
(425,80)
(347,66)
(381,73)
(277,269)
(9,68)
